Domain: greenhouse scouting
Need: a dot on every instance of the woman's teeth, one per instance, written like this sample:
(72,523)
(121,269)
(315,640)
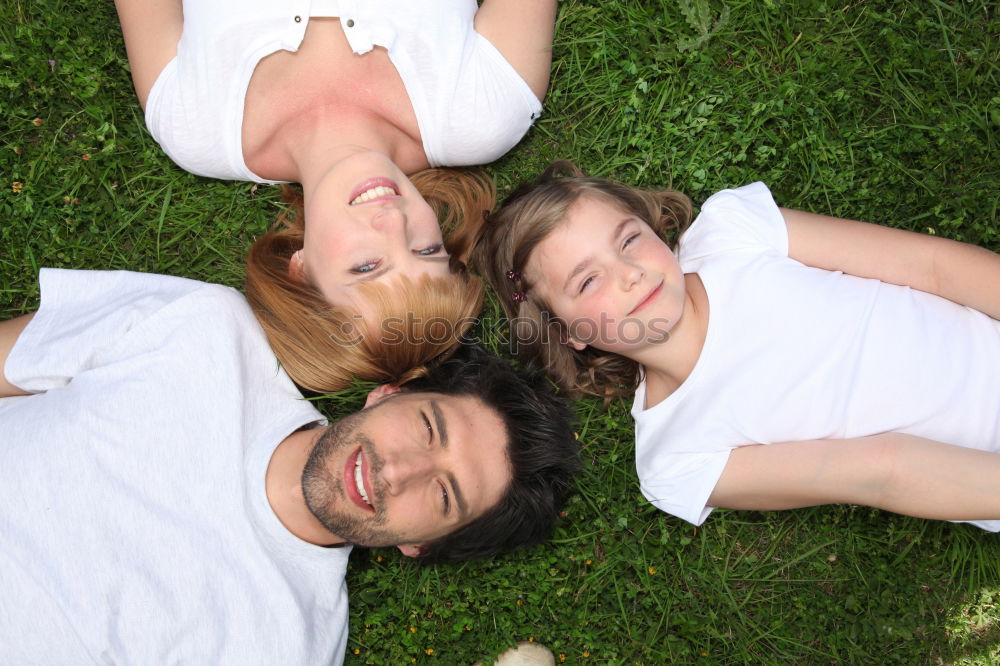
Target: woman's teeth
(374,193)
(359,479)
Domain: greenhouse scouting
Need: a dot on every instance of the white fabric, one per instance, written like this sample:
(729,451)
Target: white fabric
(471,105)
(798,353)
(134,523)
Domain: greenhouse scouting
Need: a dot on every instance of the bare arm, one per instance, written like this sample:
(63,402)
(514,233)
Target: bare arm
(10,330)
(522,31)
(902,473)
(965,274)
(151,29)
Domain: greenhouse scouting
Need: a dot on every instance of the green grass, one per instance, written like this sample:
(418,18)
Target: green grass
(886,111)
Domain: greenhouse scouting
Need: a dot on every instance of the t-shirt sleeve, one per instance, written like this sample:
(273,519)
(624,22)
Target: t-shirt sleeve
(83,314)
(743,218)
(681,483)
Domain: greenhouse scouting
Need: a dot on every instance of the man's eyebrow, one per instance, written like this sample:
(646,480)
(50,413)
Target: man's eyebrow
(439,423)
(582,264)
(442,430)
(463,508)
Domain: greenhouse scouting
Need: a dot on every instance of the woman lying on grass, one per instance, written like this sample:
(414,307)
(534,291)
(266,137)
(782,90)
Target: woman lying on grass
(347,99)
(865,358)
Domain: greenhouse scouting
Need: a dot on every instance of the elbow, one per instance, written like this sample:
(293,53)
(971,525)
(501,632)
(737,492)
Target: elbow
(886,473)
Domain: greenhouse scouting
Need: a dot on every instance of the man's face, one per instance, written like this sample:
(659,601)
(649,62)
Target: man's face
(409,470)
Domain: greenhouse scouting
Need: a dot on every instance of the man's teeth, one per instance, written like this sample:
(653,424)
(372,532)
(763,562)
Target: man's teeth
(359,479)
(373,193)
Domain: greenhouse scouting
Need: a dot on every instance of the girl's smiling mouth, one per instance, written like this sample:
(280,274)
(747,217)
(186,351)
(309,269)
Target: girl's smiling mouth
(650,297)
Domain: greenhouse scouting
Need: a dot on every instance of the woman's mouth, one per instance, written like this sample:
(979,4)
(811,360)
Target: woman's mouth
(374,189)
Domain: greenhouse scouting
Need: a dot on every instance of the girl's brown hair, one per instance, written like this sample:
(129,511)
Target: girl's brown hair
(323,347)
(511,234)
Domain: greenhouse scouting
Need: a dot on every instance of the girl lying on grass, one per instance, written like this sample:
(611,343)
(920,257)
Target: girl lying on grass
(866,358)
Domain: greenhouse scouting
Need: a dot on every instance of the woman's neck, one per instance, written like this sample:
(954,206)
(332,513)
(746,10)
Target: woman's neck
(323,96)
(305,147)
(668,364)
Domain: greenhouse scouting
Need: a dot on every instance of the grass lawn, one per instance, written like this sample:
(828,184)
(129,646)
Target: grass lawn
(882,111)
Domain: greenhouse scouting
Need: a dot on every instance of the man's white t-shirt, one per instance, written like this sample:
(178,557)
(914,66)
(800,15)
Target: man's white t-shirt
(134,523)
(799,353)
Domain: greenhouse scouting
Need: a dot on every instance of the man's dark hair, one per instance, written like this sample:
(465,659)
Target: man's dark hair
(542,453)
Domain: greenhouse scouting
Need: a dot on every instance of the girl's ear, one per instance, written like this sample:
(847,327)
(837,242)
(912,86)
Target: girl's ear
(297,267)
(574,343)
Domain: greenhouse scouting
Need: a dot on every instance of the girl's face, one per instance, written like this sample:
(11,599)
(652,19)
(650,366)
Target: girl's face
(609,277)
(366,222)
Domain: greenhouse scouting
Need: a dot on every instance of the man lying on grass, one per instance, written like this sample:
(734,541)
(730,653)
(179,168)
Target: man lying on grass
(167,496)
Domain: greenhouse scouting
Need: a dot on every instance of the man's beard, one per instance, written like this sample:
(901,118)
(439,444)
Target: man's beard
(324,490)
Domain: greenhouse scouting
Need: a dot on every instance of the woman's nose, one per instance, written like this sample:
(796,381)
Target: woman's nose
(389,220)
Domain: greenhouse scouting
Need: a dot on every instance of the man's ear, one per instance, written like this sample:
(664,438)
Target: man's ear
(411,550)
(380,393)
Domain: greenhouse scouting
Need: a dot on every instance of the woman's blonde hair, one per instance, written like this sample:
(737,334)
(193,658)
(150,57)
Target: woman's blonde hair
(511,234)
(323,347)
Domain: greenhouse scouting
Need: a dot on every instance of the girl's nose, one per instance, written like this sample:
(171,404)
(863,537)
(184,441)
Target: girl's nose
(630,274)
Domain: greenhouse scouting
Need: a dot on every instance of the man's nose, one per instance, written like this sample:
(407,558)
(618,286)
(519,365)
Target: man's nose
(403,470)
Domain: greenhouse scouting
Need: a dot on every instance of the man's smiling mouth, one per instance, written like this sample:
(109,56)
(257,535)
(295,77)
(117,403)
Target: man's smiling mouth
(359,478)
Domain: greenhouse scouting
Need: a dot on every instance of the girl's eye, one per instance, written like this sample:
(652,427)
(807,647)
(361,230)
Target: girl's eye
(629,240)
(366,266)
(430,250)
(586,283)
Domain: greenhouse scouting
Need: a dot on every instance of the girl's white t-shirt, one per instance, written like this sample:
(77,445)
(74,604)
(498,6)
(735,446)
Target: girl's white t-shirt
(798,353)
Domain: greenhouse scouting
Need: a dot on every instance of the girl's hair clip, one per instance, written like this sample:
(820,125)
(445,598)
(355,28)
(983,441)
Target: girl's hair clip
(517,296)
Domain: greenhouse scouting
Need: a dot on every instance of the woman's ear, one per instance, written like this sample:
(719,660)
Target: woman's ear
(297,267)
(380,393)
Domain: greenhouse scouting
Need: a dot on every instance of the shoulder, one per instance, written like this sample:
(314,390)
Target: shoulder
(734,219)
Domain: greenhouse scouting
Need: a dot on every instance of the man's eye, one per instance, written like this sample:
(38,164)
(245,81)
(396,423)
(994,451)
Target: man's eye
(430,430)
(445,499)
(366,266)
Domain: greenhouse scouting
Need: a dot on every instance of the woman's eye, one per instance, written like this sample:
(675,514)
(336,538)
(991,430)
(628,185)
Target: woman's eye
(430,250)
(366,266)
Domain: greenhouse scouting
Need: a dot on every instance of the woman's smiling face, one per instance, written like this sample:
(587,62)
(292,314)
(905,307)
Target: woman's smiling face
(366,223)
